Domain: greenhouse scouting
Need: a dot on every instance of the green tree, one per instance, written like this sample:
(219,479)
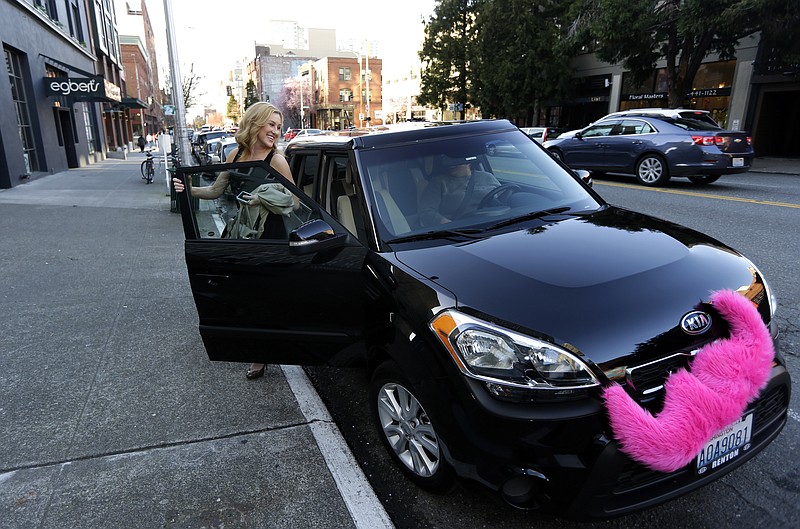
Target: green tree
(520,57)
(446,53)
(682,32)
(250,94)
(233,112)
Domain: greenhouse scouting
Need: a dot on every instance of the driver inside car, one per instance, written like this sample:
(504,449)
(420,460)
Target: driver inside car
(459,189)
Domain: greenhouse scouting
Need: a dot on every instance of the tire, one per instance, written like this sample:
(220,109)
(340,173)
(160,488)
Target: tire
(652,170)
(143,170)
(556,154)
(151,172)
(406,430)
(705,179)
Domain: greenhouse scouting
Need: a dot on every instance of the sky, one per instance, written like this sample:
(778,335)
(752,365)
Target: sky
(213,34)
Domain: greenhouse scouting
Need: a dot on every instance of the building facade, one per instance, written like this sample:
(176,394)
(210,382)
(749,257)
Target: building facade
(62,105)
(743,93)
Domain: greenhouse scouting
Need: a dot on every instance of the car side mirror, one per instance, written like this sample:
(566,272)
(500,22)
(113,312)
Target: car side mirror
(584,175)
(578,135)
(314,236)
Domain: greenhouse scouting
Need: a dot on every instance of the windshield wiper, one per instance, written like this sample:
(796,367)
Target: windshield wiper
(440,234)
(529,216)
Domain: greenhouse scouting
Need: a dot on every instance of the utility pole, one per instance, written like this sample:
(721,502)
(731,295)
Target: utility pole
(181,136)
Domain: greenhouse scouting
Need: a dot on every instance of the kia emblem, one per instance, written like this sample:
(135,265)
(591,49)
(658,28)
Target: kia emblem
(695,322)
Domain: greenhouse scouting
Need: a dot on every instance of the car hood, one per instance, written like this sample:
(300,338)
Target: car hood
(613,285)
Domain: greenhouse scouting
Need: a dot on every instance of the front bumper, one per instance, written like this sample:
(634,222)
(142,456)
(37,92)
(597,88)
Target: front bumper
(562,458)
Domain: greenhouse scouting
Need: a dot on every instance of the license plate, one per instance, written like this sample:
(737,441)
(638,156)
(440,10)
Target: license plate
(727,445)
(738,162)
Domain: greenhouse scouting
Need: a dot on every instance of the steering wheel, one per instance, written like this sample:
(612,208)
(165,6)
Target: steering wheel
(498,196)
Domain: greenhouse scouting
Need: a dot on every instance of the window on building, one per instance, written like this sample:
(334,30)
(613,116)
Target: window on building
(20,99)
(74,16)
(344,73)
(345,95)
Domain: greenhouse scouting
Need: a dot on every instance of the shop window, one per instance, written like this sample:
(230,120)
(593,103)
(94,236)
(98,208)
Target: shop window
(89,124)
(714,75)
(20,100)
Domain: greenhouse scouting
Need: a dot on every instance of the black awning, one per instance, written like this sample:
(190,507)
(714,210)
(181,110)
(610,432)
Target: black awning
(133,102)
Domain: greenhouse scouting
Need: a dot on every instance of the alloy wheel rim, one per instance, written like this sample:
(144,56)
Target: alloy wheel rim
(650,170)
(408,430)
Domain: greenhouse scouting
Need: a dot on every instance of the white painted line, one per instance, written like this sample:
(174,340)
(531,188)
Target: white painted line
(365,508)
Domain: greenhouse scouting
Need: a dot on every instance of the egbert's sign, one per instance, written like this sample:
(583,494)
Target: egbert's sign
(82,88)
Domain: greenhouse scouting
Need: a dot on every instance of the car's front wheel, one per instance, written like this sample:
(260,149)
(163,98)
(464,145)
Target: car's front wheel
(407,431)
(704,179)
(556,154)
(652,170)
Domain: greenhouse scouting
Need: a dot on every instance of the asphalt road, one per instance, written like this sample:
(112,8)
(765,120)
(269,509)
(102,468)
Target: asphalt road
(758,214)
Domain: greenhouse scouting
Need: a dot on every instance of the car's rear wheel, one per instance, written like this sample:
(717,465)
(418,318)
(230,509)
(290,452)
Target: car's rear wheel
(556,154)
(406,430)
(704,179)
(652,170)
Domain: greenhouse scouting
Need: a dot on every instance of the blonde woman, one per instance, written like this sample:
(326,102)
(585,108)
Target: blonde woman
(257,137)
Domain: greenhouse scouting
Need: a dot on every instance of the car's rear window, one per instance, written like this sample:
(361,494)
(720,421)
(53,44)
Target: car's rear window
(699,116)
(692,124)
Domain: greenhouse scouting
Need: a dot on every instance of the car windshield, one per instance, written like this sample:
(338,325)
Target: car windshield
(465,185)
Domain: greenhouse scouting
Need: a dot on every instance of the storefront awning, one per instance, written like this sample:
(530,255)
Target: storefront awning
(133,102)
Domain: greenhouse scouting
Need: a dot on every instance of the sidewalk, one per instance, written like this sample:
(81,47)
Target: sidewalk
(112,416)
(776,165)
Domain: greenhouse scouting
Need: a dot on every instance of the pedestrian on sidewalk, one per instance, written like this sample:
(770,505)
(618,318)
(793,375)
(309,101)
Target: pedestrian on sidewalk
(141,142)
(258,140)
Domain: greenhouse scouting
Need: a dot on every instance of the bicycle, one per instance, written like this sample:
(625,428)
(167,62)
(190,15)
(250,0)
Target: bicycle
(147,169)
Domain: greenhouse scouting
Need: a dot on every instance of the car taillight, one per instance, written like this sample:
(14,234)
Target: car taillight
(708,140)
(749,140)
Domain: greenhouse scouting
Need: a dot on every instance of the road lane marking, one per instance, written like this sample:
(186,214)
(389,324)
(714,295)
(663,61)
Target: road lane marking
(365,508)
(701,195)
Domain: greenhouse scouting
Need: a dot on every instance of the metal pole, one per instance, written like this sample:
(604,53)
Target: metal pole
(181,136)
(368,76)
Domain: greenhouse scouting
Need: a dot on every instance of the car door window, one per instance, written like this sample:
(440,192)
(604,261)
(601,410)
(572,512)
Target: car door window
(280,208)
(305,166)
(635,126)
(602,129)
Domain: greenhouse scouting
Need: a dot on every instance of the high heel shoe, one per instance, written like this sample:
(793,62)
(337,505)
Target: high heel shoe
(252,374)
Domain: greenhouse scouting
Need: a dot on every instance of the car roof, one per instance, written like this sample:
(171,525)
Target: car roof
(412,131)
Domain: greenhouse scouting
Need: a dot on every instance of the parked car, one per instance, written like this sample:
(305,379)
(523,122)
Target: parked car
(493,342)
(304,133)
(199,141)
(206,151)
(686,113)
(222,149)
(290,133)
(542,134)
(656,148)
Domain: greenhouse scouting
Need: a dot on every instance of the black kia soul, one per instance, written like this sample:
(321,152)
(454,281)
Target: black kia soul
(491,335)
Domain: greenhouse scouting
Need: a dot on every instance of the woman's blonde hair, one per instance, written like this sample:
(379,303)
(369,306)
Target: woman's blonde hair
(255,117)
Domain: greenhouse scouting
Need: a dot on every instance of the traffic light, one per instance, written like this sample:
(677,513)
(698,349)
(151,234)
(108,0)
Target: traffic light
(229,90)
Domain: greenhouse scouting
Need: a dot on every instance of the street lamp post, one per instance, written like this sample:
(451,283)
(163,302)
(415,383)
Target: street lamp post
(181,138)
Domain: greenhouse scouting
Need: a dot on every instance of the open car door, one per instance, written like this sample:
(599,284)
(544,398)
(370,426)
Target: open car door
(264,299)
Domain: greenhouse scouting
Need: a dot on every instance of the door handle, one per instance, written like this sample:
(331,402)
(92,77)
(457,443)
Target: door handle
(637,142)
(213,280)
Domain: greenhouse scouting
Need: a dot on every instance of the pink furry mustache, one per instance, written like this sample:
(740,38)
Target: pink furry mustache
(726,375)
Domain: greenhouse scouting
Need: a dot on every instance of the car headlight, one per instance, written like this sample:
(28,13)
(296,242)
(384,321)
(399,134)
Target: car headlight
(771,298)
(513,366)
